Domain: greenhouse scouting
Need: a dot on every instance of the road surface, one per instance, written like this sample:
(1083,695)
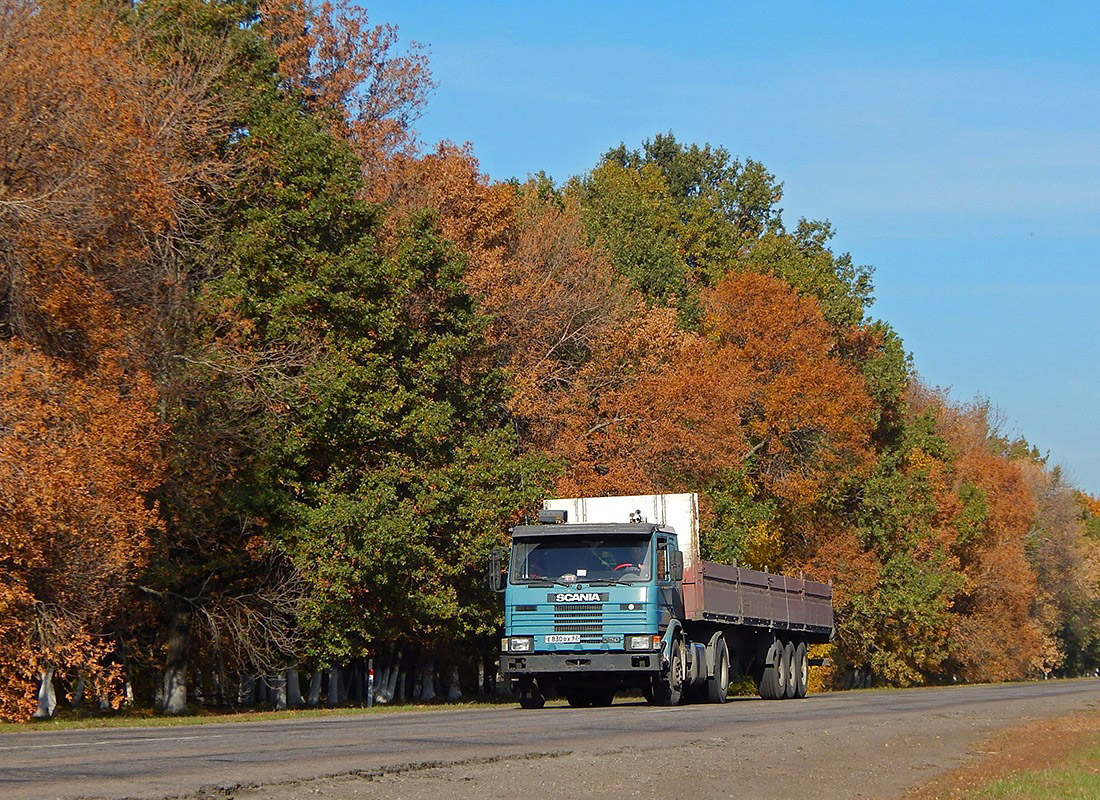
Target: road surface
(844,745)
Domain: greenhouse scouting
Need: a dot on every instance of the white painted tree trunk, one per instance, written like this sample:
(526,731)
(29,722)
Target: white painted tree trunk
(334,687)
(400,685)
(174,691)
(454,691)
(197,690)
(174,687)
(387,686)
(47,697)
(481,687)
(246,692)
(314,689)
(426,680)
(277,693)
(78,693)
(293,688)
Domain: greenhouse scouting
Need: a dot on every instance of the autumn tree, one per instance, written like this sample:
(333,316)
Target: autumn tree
(91,159)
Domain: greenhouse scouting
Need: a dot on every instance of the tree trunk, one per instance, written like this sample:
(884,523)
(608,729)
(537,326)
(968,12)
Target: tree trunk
(427,680)
(277,694)
(454,691)
(388,683)
(198,691)
(47,697)
(334,687)
(174,687)
(78,693)
(246,692)
(355,683)
(400,684)
(293,688)
(314,689)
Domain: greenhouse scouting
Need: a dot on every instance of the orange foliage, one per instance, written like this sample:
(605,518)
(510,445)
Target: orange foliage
(475,214)
(808,415)
(93,167)
(350,69)
(77,454)
(995,636)
(763,390)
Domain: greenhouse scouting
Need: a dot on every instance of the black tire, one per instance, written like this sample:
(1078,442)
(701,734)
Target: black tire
(668,690)
(717,687)
(801,670)
(600,698)
(530,696)
(578,698)
(769,687)
(786,677)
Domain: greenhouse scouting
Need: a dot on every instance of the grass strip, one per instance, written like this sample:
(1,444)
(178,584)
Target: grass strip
(1077,779)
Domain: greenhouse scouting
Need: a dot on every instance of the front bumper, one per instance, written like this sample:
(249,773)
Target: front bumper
(516,664)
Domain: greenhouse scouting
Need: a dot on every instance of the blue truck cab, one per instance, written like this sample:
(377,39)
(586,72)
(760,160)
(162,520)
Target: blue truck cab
(587,609)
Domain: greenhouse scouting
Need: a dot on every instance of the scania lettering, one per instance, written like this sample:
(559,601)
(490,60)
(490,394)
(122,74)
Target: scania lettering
(609,594)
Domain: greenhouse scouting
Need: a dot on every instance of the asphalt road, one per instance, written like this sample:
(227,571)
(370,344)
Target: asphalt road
(200,759)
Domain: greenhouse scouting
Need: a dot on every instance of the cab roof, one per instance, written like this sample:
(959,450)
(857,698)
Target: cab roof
(589,529)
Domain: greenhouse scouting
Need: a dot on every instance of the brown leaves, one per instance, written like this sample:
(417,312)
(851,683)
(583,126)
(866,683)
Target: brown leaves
(350,70)
(77,455)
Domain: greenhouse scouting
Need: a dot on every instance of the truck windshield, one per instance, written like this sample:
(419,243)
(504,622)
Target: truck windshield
(581,560)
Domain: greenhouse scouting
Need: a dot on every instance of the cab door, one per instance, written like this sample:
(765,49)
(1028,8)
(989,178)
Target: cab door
(670,602)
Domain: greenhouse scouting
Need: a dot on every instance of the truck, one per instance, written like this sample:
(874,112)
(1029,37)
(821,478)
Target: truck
(609,594)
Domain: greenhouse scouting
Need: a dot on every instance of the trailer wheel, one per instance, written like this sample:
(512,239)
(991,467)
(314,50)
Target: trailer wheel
(718,686)
(669,689)
(530,696)
(801,670)
(786,678)
(769,686)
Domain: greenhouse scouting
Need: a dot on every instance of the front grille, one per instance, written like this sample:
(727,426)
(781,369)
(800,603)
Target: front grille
(578,618)
(577,627)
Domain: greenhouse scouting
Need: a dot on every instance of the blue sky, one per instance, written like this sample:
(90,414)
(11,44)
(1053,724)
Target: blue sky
(954,146)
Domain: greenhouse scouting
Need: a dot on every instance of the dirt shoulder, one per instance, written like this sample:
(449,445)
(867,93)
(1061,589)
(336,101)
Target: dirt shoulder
(876,755)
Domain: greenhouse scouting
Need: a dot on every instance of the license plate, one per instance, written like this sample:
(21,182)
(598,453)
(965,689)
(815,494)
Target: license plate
(563,638)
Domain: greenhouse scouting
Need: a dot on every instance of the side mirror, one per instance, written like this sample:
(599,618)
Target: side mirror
(496,574)
(676,564)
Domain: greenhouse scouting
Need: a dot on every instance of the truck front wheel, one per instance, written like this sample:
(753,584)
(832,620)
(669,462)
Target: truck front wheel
(530,696)
(668,690)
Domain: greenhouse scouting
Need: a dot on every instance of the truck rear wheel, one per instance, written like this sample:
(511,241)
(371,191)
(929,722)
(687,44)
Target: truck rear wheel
(718,686)
(786,677)
(668,690)
(801,670)
(769,686)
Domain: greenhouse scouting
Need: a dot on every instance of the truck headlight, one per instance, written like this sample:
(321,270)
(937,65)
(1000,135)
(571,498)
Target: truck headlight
(517,644)
(642,642)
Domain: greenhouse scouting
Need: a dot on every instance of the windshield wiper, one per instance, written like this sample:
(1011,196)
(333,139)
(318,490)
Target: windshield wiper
(546,583)
(611,582)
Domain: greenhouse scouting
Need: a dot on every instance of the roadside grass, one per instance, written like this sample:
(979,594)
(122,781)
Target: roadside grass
(1054,758)
(1077,779)
(148,717)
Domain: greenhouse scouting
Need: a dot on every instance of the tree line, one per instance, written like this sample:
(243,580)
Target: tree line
(277,377)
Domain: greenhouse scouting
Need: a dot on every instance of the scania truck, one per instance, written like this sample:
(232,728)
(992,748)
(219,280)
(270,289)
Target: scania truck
(609,594)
